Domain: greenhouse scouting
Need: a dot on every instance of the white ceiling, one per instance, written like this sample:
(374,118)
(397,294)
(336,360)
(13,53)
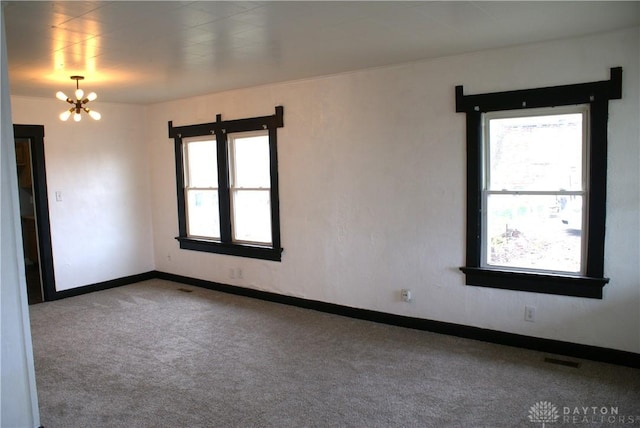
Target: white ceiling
(150,51)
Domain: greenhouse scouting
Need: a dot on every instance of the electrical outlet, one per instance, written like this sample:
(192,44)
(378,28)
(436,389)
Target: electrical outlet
(405,295)
(232,273)
(239,274)
(530,313)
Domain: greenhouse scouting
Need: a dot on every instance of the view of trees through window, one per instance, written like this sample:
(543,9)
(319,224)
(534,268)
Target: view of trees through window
(534,191)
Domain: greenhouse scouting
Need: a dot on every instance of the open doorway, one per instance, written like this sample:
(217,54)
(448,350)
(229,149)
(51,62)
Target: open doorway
(28,221)
(34,212)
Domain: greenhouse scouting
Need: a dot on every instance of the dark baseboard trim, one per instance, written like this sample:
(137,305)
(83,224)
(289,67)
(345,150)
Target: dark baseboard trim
(587,352)
(118,282)
(569,349)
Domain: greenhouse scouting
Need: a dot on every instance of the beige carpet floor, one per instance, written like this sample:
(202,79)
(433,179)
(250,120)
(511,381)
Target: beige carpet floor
(163,354)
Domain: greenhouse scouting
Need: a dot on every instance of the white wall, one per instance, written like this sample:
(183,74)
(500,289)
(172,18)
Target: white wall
(101,230)
(18,394)
(372,175)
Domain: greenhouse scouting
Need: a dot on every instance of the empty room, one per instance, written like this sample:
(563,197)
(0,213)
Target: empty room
(320,213)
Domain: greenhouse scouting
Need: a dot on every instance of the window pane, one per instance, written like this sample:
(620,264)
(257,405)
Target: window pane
(203,164)
(252,216)
(535,232)
(203,217)
(252,161)
(536,153)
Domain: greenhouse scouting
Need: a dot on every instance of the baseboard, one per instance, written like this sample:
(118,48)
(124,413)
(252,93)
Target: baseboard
(118,282)
(568,349)
(587,352)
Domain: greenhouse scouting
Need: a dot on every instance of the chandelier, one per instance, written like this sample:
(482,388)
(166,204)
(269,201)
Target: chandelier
(79,104)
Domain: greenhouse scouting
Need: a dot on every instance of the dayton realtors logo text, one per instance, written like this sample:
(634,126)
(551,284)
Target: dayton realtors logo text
(596,415)
(545,412)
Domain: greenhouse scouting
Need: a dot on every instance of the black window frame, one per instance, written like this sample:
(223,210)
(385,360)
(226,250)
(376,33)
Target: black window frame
(597,96)
(220,129)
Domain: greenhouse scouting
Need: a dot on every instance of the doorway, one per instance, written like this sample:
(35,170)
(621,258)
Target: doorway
(34,212)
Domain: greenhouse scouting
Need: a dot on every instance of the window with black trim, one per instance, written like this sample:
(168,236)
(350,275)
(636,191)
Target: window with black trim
(227,186)
(536,187)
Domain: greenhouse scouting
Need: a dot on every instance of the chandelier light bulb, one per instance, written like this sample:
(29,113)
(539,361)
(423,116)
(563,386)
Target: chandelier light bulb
(92,96)
(79,93)
(77,117)
(61,96)
(95,115)
(65,115)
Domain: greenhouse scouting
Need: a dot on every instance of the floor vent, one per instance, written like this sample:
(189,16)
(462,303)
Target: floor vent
(559,362)
(184,290)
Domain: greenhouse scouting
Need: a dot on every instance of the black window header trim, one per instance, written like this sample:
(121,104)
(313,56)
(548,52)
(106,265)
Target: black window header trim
(228,126)
(580,93)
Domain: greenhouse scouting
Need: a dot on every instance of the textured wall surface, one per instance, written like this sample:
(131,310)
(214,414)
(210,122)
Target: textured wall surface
(372,190)
(101,229)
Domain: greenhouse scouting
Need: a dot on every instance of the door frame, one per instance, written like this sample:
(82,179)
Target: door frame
(35,133)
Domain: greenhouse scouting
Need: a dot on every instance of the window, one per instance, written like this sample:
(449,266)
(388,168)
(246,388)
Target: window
(536,187)
(227,186)
(250,188)
(201,188)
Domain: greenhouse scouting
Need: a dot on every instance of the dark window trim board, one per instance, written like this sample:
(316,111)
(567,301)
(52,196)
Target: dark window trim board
(597,96)
(586,352)
(220,129)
